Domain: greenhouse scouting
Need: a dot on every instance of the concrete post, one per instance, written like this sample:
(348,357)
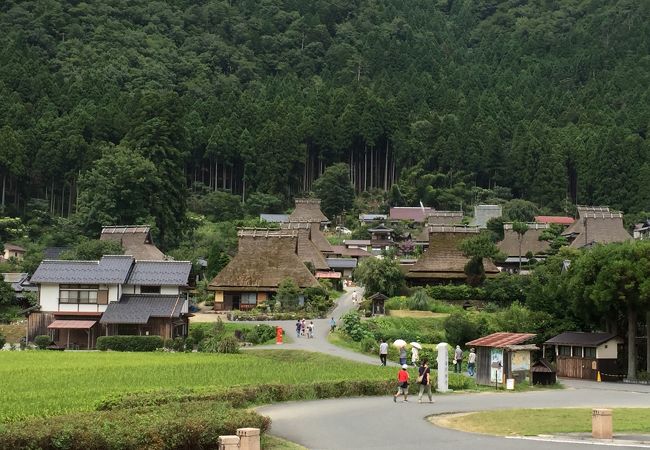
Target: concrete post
(228,442)
(249,438)
(601,423)
(443,367)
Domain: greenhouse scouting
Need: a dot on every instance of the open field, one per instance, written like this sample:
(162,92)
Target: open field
(40,383)
(532,422)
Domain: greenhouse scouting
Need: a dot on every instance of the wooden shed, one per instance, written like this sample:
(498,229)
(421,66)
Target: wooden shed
(543,373)
(500,356)
(378,301)
(582,355)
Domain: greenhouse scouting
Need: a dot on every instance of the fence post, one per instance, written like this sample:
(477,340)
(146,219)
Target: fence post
(228,443)
(249,438)
(601,423)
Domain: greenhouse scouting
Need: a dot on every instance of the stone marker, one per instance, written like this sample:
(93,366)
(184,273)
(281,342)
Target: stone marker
(443,367)
(249,438)
(228,443)
(601,423)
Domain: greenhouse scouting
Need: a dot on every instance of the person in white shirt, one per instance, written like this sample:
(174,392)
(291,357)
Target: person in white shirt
(383,352)
(471,362)
(415,356)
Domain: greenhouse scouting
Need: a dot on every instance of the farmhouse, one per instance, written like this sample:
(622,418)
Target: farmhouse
(557,220)
(263,260)
(135,240)
(81,300)
(583,355)
(371,218)
(596,225)
(345,266)
(500,356)
(308,211)
(13,251)
(20,283)
(443,262)
(381,238)
(308,252)
(530,243)
(416,214)
(439,218)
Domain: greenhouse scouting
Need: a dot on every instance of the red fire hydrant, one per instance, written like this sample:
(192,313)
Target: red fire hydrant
(278,335)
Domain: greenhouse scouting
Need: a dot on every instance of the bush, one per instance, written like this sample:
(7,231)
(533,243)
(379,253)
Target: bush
(419,301)
(42,341)
(3,341)
(259,334)
(352,326)
(455,292)
(228,344)
(189,344)
(172,426)
(460,328)
(369,345)
(129,343)
(178,344)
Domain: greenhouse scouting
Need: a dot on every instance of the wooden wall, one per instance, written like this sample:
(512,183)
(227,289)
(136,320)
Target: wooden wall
(570,367)
(37,324)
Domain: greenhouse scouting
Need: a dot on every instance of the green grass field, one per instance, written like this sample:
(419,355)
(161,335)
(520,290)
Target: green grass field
(41,383)
(532,422)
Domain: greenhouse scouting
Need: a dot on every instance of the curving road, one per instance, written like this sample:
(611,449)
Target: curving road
(378,423)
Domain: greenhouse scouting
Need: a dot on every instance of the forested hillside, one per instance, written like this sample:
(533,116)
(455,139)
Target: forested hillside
(110,101)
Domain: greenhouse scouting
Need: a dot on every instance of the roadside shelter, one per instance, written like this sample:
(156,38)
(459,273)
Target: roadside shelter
(500,356)
(377,300)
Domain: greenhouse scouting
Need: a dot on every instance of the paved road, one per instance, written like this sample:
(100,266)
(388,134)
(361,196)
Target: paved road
(320,343)
(378,423)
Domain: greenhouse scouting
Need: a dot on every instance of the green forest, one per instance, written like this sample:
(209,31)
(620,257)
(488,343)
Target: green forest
(116,111)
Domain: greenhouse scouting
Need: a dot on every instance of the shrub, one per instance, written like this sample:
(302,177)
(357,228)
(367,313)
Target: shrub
(228,344)
(259,334)
(178,344)
(129,343)
(455,292)
(3,341)
(352,326)
(460,328)
(209,345)
(42,341)
(189,344)
(419,301)
(197,333)
(172,426)
(369,345)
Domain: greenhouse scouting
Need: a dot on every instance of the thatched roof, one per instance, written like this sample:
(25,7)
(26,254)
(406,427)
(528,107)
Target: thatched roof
(598,228)
(440,218)
(317,237)
(135,240)
(264,259)
(307,249)
(443,259)
(307,210)
(530,241)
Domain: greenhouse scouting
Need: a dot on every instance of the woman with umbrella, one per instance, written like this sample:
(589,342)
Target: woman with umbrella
(415,353)
(401,344)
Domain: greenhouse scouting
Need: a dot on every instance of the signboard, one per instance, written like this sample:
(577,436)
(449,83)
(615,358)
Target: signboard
(520,360)
(443,367)
(496,366)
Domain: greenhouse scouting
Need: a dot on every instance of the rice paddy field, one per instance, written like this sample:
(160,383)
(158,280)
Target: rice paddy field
(43,383)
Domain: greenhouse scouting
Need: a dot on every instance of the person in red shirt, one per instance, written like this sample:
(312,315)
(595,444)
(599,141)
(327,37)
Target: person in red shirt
(402,383)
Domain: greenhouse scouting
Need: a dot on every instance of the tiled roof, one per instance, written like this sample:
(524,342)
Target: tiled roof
(109,270)
(562,220)
(414,213)
(580,338)
(500,340)
(342,263)
(160,273)
(137,309)
(372,217)
(274,218)
(349,252)
(362,242)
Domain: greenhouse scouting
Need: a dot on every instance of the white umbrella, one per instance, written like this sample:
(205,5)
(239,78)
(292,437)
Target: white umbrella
(416,345)
(399,343)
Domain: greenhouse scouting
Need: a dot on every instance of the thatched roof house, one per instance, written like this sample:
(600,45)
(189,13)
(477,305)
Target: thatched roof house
(443,261)
(530,242)
(264,258)
(440,218)
(135,240)
(307,210)
(308,252)
(596,225)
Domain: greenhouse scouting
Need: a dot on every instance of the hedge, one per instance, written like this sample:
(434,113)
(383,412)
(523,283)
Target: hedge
(129,343)
(195,425)
(258,316)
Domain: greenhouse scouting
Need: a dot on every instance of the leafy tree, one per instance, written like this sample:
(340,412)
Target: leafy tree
(335,190)
(477,248)
(495,225)
(7,295)
(217,206)
(380,275)
(258,203)
(93,250)
(288,294)
(217,259)
(518,210)
(520,228)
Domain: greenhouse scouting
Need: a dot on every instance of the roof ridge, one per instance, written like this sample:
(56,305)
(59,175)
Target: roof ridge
(66,261)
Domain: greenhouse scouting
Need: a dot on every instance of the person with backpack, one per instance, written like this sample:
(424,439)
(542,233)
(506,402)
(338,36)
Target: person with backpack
(424,378)
(458,360)
(402,383)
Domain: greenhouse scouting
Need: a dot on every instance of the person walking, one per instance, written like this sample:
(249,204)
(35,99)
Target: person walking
(402,355)
(355,297)
(471,362)
(458,360)
(303,327)
(310,330)
(424,378)
(415,356)
(402,383)
(332,325)
(383,352)
(298,327)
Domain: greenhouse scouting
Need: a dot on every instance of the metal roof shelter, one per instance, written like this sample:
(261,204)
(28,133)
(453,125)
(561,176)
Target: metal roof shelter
(501,340)
(500,356)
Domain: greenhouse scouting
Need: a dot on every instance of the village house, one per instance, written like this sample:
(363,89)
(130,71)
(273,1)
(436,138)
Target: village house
(20,283)
(557,220)
(308,251)
(438,218)
(483,213)
(443,262)
(264,259)
(13,251)
(307,211)
(642,230)
(117,295)
(584,355)
(596,225)
(381,238)
(414,214)
(344,266)
(367,219)
(361,244)
(342,251)
(135,240)
(274,218)
(531,245)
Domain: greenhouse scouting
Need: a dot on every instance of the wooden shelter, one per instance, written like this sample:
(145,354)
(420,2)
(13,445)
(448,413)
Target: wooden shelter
(264,259)
(583,355)
(378,300)
(596,225)
(543,373)
(308,210)
(500,356)
(308,252)
(443,261)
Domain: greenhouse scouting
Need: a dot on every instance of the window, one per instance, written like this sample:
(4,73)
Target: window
(78,293)
(150,289)
(577,352)
(590,352)
(564,350)
(248,298)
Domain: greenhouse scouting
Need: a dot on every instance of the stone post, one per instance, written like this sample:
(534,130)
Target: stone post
(443,367)
(601,423)
(228,443)
(249,438)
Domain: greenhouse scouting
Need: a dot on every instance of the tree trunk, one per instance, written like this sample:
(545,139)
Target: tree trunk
(372,166)
(4,181)
(386,168)
(365,167)
(631,343)
(520,239)
(647,342)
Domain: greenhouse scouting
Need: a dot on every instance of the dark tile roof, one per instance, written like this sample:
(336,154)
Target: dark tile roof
(137,309)
(160,273)
(342,263)
(110,269)
(274,218)
(580,338)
